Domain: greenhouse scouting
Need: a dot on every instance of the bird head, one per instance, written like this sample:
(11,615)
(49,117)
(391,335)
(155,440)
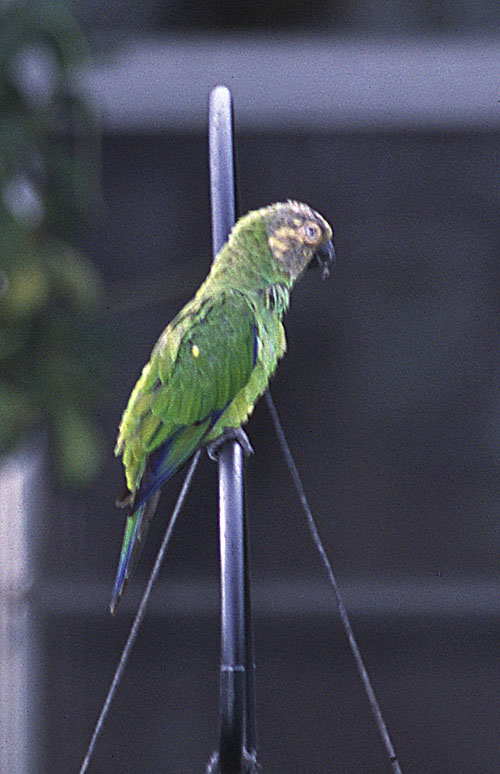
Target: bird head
(297,236)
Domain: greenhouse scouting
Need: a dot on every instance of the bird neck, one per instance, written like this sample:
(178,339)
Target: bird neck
(245,263)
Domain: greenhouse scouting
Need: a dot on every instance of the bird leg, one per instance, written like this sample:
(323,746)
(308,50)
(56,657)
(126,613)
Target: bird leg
(230,434)
(124,500)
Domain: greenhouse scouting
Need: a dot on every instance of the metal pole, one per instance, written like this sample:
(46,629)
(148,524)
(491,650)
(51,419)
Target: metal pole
(234,597)
(251,709)
(233,640)
(221,161)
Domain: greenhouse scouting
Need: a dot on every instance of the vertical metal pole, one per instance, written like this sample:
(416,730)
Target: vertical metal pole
(221,160)
(230,459)
(251,709)
(233,641)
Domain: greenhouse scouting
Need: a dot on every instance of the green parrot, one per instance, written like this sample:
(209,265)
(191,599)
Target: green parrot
(215,359)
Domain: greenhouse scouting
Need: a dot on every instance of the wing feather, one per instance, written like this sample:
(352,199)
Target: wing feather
(199,365)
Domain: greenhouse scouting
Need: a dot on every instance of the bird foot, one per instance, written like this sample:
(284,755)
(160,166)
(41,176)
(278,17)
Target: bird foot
(230,434)
(124,499)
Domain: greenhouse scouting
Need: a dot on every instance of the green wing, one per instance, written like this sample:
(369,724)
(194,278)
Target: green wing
(199,365)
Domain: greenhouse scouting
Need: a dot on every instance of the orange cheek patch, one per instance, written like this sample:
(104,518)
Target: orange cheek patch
(287,234)
(277,244)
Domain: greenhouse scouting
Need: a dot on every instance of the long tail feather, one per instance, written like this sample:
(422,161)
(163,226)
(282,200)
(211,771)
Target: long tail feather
(161,466)
(136,530)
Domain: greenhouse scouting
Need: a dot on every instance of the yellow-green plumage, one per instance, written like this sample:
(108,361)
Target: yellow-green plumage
(215,358)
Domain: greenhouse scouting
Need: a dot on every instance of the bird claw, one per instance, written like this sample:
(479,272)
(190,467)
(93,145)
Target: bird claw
(230,434)
(124,500)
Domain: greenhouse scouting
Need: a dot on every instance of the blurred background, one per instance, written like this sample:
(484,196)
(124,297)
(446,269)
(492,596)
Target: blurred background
(386,118)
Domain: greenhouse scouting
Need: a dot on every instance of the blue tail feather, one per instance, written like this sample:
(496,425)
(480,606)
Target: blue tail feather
(133,540)
(161,465)
(129,539)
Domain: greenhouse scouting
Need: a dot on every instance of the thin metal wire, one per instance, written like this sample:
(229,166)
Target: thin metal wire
(374,705)
(140,613)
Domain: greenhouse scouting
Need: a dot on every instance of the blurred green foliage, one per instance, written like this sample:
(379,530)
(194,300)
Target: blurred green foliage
(50,292)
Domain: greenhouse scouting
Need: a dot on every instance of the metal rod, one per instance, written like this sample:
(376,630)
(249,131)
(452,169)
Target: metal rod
(251,709)
(221,159)
(235,599)
(233,640)
(344,617)
(139,616)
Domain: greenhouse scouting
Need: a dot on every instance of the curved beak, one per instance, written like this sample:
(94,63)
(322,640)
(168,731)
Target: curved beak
(325,257)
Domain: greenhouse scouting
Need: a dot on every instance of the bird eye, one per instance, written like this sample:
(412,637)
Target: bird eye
(312,232)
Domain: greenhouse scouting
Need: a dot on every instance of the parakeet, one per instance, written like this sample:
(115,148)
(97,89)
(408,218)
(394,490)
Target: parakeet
(215,359)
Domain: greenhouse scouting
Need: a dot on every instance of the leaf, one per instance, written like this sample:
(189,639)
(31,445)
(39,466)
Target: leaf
(79,449)
(74,277)
(27,291)
(18,412)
